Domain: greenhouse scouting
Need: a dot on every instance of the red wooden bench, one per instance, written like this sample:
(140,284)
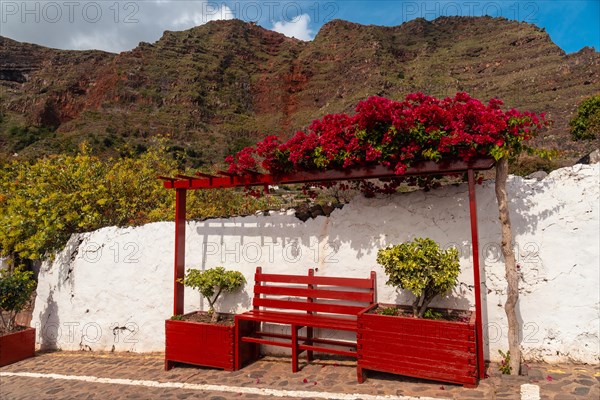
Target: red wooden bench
(306,301)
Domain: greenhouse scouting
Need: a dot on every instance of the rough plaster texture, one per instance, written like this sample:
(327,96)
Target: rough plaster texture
(112,288)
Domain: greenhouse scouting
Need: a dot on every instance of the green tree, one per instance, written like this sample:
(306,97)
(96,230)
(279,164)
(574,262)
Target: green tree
(16,288)
(421,267)
(586,124)
(43,203)
(211,283)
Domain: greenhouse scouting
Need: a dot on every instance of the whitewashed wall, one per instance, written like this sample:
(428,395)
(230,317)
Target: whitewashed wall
(112,289)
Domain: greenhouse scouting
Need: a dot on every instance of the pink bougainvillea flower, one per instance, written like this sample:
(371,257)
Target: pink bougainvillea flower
(396,134)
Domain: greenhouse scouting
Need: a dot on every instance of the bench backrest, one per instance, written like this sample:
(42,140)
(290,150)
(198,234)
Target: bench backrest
(310,293)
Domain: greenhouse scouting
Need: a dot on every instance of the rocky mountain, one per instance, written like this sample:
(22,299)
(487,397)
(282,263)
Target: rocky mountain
(222,85)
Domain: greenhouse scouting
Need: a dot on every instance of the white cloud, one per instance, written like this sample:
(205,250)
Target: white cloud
(298,27)
(103,25)
(208,13)
(96,40)
(117,26)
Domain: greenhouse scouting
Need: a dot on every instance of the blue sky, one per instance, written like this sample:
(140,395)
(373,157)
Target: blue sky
(118,25)
(572,24)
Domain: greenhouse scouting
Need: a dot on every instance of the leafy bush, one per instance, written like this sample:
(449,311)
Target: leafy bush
(504,366)
(43,202)
(432,314)
(586,124)
(22,136)
(421,267)
(212,282)
(388,311)
(16,288)
(528,164)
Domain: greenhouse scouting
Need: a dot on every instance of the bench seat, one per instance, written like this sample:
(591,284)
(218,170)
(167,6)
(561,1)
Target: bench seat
(302,320)
(306,302)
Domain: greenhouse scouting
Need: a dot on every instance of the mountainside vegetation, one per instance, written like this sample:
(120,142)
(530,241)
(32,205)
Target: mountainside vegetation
(219,87)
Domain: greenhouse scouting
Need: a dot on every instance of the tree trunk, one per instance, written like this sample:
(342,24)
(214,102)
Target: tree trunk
(214,318)
(427,298)
(512,276)
(415,305)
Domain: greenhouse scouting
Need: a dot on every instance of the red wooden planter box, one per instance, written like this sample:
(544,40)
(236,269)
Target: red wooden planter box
(421,348)
(208,345)
(17,346)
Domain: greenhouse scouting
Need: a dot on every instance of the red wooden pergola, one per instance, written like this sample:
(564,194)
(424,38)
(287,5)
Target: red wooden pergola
(183,183)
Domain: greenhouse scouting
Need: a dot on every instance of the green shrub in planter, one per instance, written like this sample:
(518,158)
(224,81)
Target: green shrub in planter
(421,267)
(16,288)
(212,282)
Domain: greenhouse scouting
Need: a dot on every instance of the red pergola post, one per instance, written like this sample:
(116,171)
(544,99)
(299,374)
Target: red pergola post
(476,273)
(179,270)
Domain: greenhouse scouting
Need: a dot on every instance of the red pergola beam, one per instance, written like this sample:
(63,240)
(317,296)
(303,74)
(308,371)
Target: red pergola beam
(371,172)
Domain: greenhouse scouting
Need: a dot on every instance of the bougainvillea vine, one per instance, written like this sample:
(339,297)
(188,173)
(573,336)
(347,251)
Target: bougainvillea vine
(396,134)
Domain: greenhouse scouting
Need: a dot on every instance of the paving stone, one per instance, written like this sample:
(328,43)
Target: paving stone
(507,396)
(536,374)
(270,372)
(473,395)
(556,386)
(562,396)
(555,376)
(581,391)
(585,382)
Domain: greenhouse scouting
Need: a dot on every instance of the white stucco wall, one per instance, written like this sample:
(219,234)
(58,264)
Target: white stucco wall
(112,289)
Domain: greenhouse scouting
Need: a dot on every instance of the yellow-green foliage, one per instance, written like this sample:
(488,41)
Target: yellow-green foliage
(421,267)
(43,202)
(212,282)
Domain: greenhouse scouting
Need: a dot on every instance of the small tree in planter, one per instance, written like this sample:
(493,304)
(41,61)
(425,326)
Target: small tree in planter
(208,344)
(421,267)
(437,349)
(16,288)
(211,283)
(16,343)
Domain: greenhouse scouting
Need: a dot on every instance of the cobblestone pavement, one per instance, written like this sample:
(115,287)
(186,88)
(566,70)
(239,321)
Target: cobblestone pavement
(269,377)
